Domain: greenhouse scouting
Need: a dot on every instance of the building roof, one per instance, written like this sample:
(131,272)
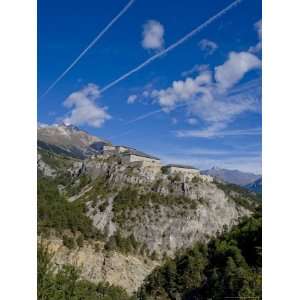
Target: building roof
(181,166)
(126,147)
(132,151)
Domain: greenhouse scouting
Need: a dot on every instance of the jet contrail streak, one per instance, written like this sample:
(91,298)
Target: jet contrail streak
(151,113)
(144,116)
(95,40)
(173,46)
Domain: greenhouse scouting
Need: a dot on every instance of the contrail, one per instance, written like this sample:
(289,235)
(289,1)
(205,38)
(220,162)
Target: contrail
(144,116)
(151,113)
(121,134)
(95,40)
(173,46)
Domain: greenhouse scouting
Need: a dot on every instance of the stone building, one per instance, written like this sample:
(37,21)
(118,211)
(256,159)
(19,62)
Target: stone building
(121,149)
(137,158)
(187,171)
(108,149)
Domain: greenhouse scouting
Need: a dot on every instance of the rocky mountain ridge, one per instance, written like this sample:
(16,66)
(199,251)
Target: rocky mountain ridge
(69,140)
(232,176)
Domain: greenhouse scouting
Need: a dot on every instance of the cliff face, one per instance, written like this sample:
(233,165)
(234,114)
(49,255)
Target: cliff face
(125,271)
(162,212)
(44,168)
(169,228)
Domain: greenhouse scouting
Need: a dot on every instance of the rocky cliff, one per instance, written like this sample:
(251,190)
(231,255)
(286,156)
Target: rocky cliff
(126,271)
(163,212)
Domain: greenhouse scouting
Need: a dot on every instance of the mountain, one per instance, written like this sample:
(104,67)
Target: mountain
(232,176)
(255,186)
(163,212)
(119,220)
(68,140)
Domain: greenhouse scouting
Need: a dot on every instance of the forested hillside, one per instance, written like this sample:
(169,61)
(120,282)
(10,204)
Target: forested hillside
(229,266)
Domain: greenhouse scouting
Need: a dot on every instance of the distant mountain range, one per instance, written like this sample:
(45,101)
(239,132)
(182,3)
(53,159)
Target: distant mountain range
(255,186)
(69,140)
(232,176)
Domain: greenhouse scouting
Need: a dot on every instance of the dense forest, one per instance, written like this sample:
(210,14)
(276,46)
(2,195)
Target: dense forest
(229,266)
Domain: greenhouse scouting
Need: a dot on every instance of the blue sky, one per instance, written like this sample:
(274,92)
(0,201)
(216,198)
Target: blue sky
(198,104)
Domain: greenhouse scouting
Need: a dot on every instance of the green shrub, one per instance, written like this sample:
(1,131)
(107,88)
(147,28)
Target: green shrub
(111,244)
(177,178)
(97,247)
(68,241)
(125,245)
(79,241)
(154,255)
(102,207)
(196,179)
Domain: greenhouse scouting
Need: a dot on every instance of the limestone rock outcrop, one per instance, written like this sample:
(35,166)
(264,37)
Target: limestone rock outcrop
(117,269)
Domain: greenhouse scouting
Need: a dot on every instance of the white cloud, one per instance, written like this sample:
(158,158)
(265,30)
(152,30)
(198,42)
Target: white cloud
(174,121)
(258,27)
(216,131)
(195,69)
(84,110)
(131,99)
(153,35)
(204,133)
(212,97)
(192,121)
(145,93)
(213,152)
(42,125)
(258,46)
(234,69)
(182,90)
(211,100)
(208,46)
(221,109)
